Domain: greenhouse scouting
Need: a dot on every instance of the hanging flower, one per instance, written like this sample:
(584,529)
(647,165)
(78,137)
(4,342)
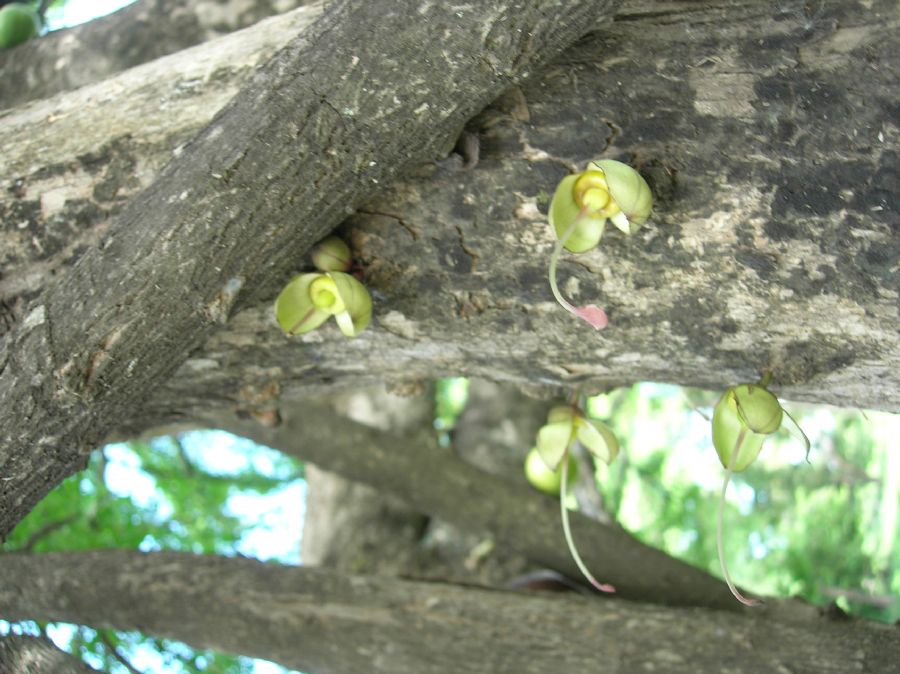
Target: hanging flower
(582,204)
(566,425)
(745,416)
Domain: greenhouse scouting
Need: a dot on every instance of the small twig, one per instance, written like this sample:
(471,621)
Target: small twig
(45,531)
(115,653)
(189,466)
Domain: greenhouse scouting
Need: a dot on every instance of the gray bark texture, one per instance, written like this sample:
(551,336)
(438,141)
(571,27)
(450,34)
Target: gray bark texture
(765,256)
(323,622)
(148,220)
(343,110)
(145,30)
(33,655)
(362,528)
(442,485)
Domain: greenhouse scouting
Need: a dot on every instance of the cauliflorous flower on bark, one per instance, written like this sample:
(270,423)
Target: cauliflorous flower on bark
(582,204)
(566,425)
(310,299)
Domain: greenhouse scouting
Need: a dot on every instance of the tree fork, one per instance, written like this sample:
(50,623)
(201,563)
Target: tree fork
(341,111)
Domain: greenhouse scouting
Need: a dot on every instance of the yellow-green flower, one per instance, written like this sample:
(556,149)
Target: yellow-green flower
(743,418)
(605,190)
(309,299)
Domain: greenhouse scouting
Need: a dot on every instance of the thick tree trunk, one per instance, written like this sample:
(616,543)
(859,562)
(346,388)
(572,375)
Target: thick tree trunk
(340,112)
(754,262)
(322,622)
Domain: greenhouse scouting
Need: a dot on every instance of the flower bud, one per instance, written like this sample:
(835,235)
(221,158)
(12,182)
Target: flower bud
(332,254)
(542,478)
(18,23)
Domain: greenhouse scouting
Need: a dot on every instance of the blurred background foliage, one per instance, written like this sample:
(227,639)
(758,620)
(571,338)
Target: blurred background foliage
(203,492)
(824,530)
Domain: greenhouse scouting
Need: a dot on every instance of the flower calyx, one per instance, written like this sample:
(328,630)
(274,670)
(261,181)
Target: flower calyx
(605,190)
(308,300)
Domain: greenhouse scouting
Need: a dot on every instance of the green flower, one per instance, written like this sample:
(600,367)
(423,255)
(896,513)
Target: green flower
(743,418)
(309,299)
(605,190)
(566,425)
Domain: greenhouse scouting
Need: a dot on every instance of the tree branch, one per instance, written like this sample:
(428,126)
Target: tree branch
(344,109)
(142,31)
(736,274)
(34,655)
(437,483)
(318,621)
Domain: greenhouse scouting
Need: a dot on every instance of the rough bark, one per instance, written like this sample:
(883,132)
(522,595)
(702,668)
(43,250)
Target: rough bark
(33,655)
(343,110)
(436,482)
(756,260)
(140,32)
(322,622)
(359,528)
(354,527)
(780,254)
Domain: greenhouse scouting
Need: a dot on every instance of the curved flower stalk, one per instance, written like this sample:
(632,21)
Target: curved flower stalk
(581,205)
(566,425)
(743,418)
(308,300)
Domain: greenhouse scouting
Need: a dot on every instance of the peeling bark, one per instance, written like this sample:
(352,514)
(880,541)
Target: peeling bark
(319,621)
(343,110)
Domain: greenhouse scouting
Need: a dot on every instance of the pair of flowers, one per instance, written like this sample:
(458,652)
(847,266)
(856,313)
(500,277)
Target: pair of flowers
(745,416)
(581,206)
(309,300)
